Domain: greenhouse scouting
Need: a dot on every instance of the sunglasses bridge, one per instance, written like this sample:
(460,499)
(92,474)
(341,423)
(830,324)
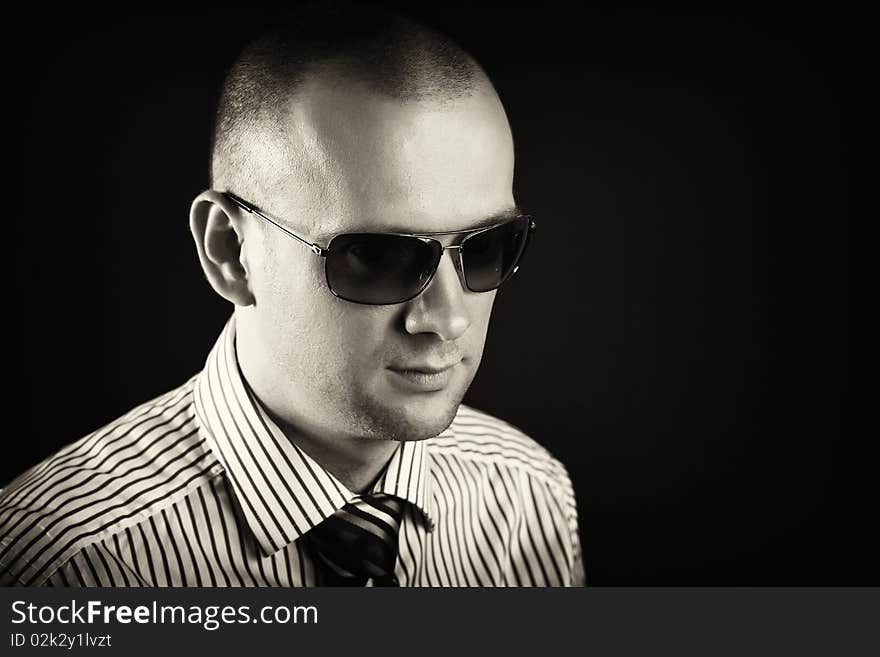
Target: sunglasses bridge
(457,263)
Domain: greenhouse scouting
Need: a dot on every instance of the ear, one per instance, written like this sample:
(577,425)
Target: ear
(216,226)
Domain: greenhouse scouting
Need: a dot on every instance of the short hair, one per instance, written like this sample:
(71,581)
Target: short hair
(393,54)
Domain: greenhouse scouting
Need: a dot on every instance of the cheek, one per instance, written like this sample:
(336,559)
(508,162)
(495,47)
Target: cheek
(314,333)
(480,309)
(359,334)
(288,290)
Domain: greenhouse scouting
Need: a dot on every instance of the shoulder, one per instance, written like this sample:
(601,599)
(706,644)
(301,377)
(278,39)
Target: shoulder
(491,443)
(107,480)
(526,490)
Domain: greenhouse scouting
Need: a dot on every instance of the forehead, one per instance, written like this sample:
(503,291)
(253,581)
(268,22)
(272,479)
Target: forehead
(365,162)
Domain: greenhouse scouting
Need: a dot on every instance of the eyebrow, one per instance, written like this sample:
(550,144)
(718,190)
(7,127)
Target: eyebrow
(491,220)
(498,217)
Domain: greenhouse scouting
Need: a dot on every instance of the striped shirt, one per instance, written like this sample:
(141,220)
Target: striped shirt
(199,487)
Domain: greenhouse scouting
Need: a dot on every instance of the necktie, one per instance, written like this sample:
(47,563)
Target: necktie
(359,542)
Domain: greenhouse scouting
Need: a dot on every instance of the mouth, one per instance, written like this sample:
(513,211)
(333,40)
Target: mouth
(423,378)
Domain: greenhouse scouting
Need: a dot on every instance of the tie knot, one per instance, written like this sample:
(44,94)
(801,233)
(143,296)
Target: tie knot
(382,507)
(359,541)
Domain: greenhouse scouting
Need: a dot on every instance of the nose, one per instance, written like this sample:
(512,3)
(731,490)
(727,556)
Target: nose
(440,308)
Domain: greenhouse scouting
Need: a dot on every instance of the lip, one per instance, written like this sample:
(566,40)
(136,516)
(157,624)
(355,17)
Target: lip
(423,378)
(425,368)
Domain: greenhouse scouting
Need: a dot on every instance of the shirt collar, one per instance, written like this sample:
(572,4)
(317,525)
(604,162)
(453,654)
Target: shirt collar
(281,491)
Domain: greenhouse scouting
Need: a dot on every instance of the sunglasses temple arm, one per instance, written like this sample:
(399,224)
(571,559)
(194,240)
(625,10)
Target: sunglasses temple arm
(314,248)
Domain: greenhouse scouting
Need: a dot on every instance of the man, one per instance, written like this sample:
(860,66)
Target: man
(360,220)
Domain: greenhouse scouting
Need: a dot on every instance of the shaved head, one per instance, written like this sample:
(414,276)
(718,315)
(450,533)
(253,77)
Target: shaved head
(256,148)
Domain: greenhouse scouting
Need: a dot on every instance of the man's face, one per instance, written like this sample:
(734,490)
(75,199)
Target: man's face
(364,162)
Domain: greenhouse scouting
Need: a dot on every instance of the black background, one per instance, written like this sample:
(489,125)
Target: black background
(678,336)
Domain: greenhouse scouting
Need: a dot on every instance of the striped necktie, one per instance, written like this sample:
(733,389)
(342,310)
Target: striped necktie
(358,543)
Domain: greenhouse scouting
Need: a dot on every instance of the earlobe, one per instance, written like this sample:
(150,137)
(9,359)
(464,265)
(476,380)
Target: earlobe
(216,229)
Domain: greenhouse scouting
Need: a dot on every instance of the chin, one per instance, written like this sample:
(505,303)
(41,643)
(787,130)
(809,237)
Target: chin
(401,411)
(418,419)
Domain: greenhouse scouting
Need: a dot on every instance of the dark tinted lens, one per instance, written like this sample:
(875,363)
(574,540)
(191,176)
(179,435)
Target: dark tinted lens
(379,269)
(490,257)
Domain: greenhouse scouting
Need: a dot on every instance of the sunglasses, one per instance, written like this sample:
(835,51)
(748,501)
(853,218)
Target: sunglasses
(387,268)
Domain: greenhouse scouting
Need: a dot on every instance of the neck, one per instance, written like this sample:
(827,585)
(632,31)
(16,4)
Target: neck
(356,463)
